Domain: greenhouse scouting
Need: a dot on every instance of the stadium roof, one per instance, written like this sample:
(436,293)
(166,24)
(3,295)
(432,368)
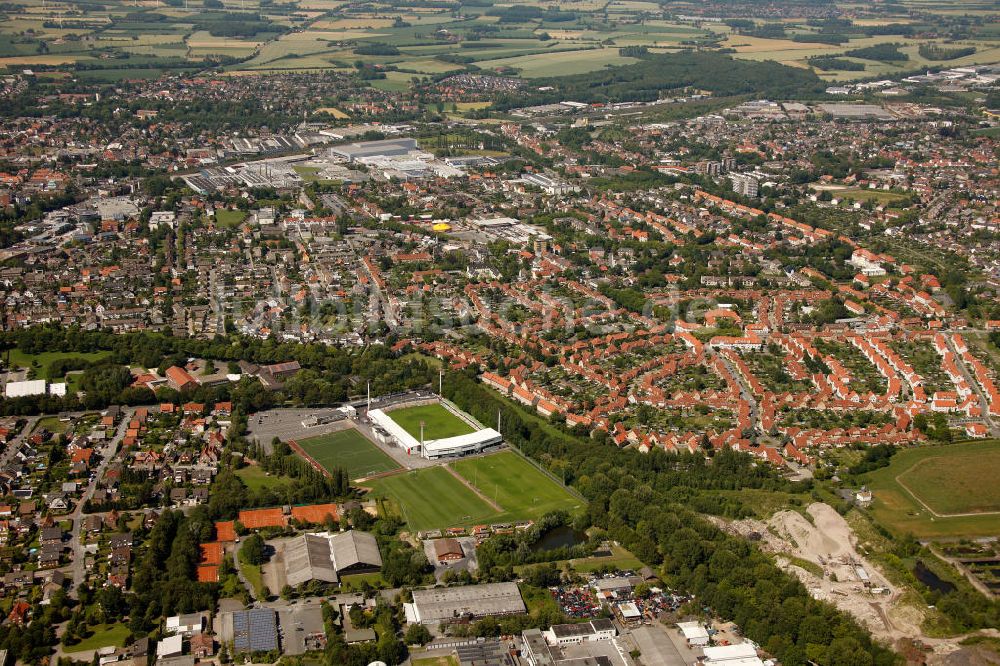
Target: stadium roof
(484,437)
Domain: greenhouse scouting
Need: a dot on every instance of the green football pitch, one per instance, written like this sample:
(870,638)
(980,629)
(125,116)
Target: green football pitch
(348,450)
(433,497)
(940,491)
(439,423)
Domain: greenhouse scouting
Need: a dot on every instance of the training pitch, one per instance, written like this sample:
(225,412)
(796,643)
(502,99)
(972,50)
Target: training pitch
(349,450)
(498,488)
(940,491)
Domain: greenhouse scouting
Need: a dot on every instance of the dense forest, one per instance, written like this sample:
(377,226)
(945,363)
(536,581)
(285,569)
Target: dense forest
(659,73)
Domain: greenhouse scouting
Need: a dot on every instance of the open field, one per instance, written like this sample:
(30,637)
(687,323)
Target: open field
(434,497)
(960,483)
(229,218)
(942,491)
(560,63)
(865,194)
(349,450)
(438,421)
(104,635)
(257,479)
(515,484)
(41,362)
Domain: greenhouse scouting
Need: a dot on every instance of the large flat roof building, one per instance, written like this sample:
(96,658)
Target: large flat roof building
(26,388)
(383,148)
(450,603)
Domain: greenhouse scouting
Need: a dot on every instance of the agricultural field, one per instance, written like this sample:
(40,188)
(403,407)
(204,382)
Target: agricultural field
(942,491)
(561,63)
(348,450)
(439,423)
(491,489)
(317,35)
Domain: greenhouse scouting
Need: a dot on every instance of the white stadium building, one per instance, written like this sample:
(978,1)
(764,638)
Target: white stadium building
(460,445)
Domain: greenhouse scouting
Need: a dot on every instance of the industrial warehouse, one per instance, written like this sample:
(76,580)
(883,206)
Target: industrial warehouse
(324,557)
(452,603)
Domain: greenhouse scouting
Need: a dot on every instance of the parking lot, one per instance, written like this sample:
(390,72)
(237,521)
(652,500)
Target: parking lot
(299,625)
(286,424)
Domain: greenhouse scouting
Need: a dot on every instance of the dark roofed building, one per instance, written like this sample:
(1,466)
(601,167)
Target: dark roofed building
(448,550)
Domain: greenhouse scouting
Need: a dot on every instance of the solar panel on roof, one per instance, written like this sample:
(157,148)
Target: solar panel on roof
(255,631)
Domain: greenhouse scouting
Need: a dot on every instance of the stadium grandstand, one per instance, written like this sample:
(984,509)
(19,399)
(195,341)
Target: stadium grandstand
(446,447)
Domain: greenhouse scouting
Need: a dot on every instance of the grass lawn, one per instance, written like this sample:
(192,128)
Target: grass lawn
(350,450)
(103,636)
(516,485)
(229,218)
(356,581)
(439,423)
(52,424)
(953,479)
(620,559)
(253,575)
(18,358)
(432,498)
(448,660)
(257,479)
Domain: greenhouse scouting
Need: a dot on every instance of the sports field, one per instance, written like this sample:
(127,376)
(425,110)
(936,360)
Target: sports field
(941,491)
(438,421)
(350,450)
(515,484)
(434,497)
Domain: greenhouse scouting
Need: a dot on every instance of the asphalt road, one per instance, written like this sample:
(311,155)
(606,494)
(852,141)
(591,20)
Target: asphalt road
(108,453)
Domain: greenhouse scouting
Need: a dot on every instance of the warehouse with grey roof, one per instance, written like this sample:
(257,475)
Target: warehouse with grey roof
(325,557)
(383,148)
(453,603)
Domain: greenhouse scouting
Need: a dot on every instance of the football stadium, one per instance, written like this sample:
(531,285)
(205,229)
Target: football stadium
(435,429)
